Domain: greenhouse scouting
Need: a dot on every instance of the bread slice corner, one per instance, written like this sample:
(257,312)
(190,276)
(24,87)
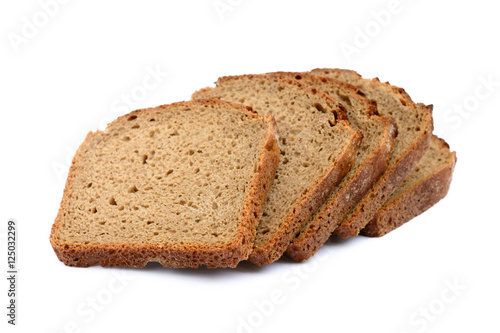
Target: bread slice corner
(424,186)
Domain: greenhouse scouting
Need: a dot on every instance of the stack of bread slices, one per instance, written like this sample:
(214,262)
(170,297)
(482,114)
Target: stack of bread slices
(257,167)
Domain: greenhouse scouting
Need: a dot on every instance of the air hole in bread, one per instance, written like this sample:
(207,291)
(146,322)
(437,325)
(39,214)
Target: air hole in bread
(319,107)
(345,99)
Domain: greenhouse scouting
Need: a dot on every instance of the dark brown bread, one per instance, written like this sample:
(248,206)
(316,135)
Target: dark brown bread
(424,186)
(317,145)
(182,184)
(414,123)
(371,162)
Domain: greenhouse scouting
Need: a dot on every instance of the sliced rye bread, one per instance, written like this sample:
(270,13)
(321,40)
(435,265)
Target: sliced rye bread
(370,164)
(424,186)
(317,145)
(414,122)
(182,184)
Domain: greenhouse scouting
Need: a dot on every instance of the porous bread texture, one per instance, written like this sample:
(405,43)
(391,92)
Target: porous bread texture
(371,162)
(414,122)
(424,186)
(182,184)
(317,149)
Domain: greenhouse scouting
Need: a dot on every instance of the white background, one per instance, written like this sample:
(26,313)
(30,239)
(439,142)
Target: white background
(70,76)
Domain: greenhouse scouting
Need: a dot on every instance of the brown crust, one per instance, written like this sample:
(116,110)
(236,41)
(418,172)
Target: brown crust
(309,204)
(311,238)
(415,200)
(181,256)
(397,90)
(355,74)
(316,195)
(389,181)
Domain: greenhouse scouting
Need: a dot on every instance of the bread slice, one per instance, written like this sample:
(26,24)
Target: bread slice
(414,122)
(370,164)
(424,186)
(182,184)
(317,149)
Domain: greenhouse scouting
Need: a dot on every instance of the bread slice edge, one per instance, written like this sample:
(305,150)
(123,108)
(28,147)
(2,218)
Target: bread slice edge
(316,231)
(311,202)
(311,239)
(429,190)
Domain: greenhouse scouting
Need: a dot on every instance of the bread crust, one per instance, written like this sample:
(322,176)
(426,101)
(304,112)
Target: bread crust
(312,237)
(310,203)
(316,195)
(415,200)
(386,184)
(392,178)
(310,240)
(181,256)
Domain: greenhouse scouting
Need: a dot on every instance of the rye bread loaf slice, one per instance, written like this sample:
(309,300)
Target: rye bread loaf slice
(414,122)
(317,149)
(182,184)
(371,162)
(424,186)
